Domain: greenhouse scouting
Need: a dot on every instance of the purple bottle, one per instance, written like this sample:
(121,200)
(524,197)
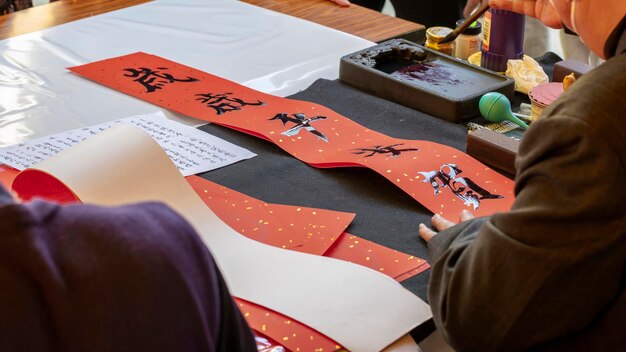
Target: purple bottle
(503,39)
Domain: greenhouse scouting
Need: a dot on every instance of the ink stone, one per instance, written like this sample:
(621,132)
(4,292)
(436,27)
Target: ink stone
(422,78)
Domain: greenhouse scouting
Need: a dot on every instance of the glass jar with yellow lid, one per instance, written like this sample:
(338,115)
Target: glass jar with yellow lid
(434,35)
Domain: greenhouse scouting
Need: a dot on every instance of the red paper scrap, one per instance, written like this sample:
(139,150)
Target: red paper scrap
(302,229)
(308,230)
(290,333)
(395,264)
(33,183)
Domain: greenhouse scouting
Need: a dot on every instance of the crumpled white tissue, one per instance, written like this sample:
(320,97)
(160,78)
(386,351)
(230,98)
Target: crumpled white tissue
(527,74)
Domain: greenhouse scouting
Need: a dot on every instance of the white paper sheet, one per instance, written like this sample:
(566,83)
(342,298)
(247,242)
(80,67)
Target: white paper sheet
(360,308)
(191,150)
(261,49)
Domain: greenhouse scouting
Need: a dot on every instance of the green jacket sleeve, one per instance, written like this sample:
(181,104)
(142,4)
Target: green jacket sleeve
(554,264)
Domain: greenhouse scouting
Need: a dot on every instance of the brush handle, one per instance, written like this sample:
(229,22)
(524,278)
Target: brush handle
(463,26)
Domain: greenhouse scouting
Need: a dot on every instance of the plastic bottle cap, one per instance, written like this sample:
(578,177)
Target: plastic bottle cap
(473,29)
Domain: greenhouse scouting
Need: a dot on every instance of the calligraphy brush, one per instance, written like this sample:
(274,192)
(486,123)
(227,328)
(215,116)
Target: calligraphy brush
(458,30)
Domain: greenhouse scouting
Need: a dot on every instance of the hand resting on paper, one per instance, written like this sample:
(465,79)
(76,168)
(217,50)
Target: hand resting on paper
(440,223)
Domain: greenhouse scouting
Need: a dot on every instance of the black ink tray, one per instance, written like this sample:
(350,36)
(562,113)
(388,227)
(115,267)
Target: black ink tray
(422,78)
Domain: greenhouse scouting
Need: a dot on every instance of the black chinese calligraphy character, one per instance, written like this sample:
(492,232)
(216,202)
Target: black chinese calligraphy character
(301,122)
(379,149)
(462,187)
(222,103)
(154,79)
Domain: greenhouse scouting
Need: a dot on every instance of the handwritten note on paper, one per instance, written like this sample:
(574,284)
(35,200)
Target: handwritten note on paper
(192,151)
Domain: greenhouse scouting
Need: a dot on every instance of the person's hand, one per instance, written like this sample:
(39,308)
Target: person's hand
(472,5)
(440,223)
(540,9)
(342,3)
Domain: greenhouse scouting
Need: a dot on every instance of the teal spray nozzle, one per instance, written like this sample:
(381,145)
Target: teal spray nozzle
(495,107)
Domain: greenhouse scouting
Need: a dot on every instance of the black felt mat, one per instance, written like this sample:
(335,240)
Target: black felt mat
(385,214)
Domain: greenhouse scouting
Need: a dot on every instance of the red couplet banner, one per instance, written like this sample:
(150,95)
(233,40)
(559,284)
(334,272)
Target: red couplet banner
(443,179)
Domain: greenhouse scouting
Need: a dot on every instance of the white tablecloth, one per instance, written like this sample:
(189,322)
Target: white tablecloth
(261,49)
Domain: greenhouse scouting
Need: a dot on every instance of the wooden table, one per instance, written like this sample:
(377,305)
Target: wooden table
(356,20)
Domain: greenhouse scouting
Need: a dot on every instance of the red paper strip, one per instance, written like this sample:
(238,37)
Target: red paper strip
(288,332)
(397,265)
(302,229)
(441,178)
(308,230)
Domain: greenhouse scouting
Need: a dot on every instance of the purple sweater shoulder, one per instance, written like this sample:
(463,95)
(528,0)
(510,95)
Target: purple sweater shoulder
(130,278)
